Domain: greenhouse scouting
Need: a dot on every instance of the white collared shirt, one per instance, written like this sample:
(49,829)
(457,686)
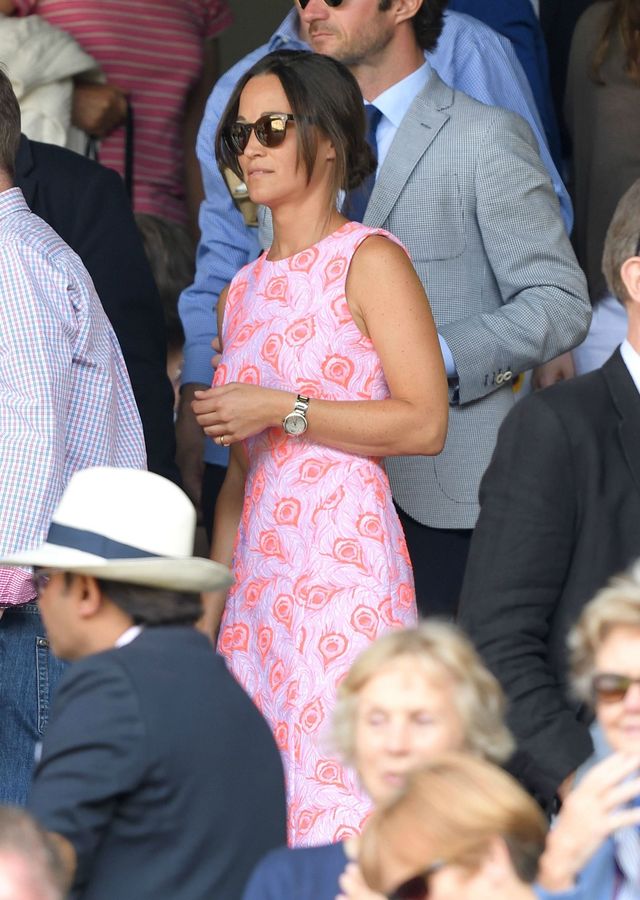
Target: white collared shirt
(394,104)
(631,359)
(128,636)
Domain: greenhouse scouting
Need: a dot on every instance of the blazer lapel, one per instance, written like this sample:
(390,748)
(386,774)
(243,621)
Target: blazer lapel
(627,401)
(426,116)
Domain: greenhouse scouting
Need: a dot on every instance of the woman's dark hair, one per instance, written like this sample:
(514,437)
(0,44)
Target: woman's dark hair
(623,20)
(427,22)
(152,606)
(325,99)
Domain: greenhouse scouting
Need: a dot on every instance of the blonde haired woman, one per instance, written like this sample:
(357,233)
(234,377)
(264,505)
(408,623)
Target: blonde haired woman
(594,850)
(460,830)
(409,696)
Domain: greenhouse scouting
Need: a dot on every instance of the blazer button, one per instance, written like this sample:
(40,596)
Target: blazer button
(508,375)
(499,378)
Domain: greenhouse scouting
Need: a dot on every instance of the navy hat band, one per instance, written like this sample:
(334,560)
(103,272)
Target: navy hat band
(90,542)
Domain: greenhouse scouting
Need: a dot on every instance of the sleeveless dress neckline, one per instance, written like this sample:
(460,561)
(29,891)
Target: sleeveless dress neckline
(332,234)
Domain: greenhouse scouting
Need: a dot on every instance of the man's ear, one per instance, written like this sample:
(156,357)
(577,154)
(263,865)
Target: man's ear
(406,9)
(630,274)
(89,596)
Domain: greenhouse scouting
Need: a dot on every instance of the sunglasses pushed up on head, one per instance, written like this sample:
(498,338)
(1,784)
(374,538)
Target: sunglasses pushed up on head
(270,130)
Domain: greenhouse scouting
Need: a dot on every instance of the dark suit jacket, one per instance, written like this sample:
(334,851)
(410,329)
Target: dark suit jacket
(161,772)
(560,514)
(87,205)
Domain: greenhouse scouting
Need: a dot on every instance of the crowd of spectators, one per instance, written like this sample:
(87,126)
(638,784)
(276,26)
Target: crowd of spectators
(319,429)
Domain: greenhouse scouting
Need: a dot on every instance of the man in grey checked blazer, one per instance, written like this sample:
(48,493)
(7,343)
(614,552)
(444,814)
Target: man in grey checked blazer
(462,185)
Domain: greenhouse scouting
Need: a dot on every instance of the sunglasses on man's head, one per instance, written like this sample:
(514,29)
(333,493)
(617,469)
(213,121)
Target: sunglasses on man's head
(303,3)
(611,688)
(416,888)
(270,131)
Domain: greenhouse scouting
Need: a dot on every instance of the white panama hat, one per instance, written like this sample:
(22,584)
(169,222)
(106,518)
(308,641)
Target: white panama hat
(125,525)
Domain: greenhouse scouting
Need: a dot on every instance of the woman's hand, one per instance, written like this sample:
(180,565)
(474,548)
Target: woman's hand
(234,412)
(590,813)
(354,887)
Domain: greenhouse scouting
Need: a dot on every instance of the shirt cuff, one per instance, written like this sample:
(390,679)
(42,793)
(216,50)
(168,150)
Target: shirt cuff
(16,587)
(447,355)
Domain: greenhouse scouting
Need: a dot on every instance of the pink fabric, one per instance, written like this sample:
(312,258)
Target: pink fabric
(320,561)
(152,50)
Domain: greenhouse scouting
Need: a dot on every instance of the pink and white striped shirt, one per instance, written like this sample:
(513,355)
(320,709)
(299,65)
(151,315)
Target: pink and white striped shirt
(153,51)
(65,398)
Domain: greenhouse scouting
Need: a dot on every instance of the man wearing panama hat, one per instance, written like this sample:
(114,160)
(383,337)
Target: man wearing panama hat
(158,775)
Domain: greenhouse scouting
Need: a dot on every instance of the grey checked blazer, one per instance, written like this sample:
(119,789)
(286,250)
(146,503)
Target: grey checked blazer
(463,188)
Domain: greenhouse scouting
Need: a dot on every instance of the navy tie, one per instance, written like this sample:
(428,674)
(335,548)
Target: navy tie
(357,199)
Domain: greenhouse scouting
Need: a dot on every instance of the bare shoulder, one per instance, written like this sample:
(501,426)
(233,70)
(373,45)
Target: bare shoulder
(378,257)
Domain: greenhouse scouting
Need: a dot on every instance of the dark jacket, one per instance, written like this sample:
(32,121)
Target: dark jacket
(560,514)
(160,771)
(87,205)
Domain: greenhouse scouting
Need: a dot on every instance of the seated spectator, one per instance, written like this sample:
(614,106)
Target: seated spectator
(158,776)
(560,514)
(410,695)
(460,830)
(594,850)
(30,866)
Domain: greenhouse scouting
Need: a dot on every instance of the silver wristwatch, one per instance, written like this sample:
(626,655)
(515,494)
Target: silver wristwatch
(295,422)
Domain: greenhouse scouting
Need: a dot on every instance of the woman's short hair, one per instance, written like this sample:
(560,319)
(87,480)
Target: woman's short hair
(621,241)
(440,648)
(451,810)
(616,606)
(325,99)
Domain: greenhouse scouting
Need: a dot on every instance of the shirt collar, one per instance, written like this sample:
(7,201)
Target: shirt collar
(394,103)
(11,201)
(631,359)
(128,636)
(288,32)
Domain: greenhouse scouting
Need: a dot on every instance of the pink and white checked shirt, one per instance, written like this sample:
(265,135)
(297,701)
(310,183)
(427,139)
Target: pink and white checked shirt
(153,50)
(65,398)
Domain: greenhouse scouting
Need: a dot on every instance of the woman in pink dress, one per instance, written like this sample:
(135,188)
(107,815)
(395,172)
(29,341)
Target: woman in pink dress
(330,362)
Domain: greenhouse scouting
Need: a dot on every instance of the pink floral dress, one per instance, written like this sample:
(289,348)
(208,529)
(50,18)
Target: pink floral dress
(320,562)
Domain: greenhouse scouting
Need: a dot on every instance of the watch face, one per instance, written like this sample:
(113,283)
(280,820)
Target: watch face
(295,423)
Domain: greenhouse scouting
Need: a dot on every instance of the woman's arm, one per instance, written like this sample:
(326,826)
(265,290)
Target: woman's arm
(226,519)
(389,305)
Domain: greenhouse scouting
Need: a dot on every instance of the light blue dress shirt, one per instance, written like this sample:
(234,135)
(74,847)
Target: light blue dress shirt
(470,57)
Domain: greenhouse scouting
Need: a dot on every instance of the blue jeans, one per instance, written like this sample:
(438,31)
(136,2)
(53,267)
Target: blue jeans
(28,674)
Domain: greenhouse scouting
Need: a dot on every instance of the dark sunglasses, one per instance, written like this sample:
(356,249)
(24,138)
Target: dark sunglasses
(270,131)
(303,3)
(416,888)
(40,579)
(611,688)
